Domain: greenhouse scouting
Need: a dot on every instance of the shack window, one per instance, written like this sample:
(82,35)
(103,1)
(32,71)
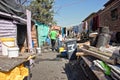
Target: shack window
(114,14)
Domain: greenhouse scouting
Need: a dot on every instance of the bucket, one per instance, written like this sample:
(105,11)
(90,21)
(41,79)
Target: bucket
(61,49)
(6,43)
(13,52)
(103,40)
(38,50)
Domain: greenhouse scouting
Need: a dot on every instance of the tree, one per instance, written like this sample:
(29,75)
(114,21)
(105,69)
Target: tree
(42,10)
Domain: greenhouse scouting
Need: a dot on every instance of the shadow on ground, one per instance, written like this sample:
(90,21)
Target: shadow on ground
(47,59)
(74,72)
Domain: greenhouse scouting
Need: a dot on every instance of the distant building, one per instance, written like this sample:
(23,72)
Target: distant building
(55,27)
(110,15)
(91,22)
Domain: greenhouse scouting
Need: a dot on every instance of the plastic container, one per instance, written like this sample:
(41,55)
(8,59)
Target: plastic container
(13,52)
(61,49)
(6,43)
(38,50)
(5,39)
(71,47)
(103,40)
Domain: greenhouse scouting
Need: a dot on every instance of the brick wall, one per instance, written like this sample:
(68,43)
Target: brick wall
(106,19)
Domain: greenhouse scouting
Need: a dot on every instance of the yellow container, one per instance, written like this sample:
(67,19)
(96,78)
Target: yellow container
(61,49)
(7,39)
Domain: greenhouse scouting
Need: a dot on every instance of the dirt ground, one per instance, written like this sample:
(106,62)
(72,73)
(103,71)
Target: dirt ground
(48,67)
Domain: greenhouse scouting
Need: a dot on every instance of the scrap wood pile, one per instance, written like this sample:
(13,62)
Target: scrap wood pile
(107,56)
(108,60)
(74,70)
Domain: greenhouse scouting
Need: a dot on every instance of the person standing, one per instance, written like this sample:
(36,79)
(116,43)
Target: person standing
(53,36)
(60,40)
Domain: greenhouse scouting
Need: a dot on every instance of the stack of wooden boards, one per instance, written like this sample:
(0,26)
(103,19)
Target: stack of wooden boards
(108,69)
(112,59)
(105,56)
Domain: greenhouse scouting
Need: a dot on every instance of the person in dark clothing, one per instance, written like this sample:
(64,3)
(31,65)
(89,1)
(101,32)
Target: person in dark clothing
(53,36)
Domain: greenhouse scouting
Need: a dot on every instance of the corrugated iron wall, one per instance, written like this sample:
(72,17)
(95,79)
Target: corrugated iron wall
(42,32)
(7,29)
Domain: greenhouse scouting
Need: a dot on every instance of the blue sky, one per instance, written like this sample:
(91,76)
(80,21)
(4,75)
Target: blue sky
(72,12)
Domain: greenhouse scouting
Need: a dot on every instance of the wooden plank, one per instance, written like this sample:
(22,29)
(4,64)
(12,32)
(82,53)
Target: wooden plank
(8,64)
(115,68)
(94,49)
(115,75)
(100,75)
(99,56)
(29,37)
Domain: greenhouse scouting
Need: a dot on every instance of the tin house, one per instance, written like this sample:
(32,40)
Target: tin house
(12,22)
(42,31)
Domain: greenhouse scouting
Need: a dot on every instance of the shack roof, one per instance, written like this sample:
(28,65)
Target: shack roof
(12,7)
(109,2)
(89,16)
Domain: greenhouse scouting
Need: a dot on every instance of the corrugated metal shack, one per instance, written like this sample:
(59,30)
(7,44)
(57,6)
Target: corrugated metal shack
(42,32)
(12,21)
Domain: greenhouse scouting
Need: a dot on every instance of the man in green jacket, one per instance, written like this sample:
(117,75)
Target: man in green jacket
(53,36)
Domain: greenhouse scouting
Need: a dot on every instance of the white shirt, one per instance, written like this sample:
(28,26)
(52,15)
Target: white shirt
(60,37)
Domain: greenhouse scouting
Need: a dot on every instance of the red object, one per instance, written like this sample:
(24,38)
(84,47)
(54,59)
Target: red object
(56,28)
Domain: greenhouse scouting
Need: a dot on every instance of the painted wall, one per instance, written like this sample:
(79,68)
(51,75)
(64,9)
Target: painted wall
(42,31)
(106,19)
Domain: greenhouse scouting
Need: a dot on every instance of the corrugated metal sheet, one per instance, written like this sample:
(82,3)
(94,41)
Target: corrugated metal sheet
(43,31)
(7,29)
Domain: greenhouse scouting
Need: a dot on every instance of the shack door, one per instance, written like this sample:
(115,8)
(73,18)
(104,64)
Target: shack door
(43,31)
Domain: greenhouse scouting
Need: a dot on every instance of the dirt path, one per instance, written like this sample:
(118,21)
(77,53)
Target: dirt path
(48,67)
